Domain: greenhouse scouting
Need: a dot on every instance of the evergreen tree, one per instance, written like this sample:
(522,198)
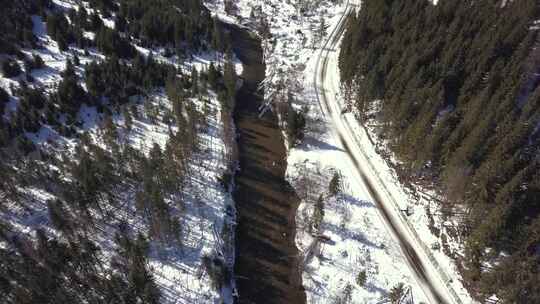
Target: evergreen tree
(70,94)
(229,77)
(10,68)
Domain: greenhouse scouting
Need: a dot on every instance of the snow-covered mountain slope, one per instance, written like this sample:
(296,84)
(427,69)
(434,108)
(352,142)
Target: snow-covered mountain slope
(156,163)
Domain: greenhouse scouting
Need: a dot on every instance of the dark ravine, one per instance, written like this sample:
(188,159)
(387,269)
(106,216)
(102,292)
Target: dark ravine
(266,266)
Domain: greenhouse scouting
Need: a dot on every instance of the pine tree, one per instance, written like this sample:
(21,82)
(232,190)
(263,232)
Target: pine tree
(59,217)
(38,62)
(318,213)
(70,94)
(229,77)
(194,82)
(217,39)
(396,293)
(128,118)
(335,184)
(111,134)
(361,278)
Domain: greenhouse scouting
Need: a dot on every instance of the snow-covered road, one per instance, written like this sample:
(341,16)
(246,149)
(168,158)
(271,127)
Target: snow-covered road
(433,281)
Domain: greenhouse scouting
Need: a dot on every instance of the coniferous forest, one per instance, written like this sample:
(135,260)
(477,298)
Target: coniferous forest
(454,90)
(86,186)
(108,126)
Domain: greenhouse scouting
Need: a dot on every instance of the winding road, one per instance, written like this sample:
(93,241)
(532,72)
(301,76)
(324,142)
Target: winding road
(434,282)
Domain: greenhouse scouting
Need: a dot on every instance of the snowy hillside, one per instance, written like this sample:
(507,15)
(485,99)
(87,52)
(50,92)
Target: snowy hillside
(118,152)
(142,176)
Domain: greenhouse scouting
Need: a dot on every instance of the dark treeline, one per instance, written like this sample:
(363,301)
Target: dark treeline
(167,22)
(455,90)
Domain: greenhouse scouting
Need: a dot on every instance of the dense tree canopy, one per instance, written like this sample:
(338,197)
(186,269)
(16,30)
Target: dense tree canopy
(455,88)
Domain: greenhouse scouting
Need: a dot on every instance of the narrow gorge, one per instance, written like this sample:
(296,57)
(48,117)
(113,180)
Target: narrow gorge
(266,264)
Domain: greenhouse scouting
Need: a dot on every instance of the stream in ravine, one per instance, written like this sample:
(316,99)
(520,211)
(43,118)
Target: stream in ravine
(266,266)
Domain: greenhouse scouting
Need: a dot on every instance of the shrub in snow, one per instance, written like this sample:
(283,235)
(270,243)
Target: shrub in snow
(4,97)
(335,184)
(215,267)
